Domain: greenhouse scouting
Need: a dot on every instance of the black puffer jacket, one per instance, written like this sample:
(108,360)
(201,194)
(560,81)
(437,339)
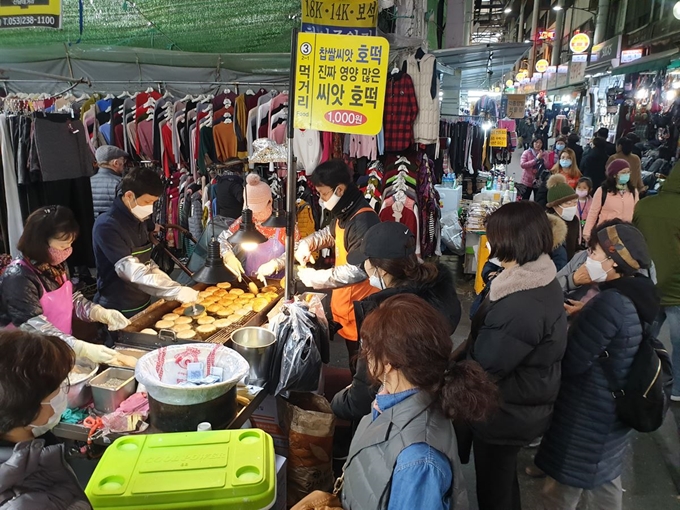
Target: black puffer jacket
(586,442)
(519,336)
(354,403)
(20,293)
(229,194)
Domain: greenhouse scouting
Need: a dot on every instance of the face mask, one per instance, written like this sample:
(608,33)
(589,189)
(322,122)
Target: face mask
(332,202)
(623,178)
(142,212)
(559,147)
(582,193)
(59,256)
(595,270)
(565,163)
(59,404)
(568,213)
(376,281)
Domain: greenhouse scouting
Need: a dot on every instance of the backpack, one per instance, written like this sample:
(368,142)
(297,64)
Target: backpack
(645,397)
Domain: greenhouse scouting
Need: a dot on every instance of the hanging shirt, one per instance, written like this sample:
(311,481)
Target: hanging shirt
(401,109)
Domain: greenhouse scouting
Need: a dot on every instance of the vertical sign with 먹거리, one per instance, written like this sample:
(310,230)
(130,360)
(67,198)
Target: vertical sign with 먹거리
(349,17)
(340,83)
(30,13)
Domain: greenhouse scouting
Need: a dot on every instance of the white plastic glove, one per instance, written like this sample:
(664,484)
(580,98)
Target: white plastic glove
(303,254)
(233,264)
(187,295)
(96,353)
(112,318)
(316,279)
(267,269)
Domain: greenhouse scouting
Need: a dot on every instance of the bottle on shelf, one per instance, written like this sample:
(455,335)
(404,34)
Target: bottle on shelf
(511,184)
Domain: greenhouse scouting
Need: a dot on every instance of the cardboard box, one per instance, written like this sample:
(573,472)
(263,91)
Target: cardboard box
(267,418)
(281,475)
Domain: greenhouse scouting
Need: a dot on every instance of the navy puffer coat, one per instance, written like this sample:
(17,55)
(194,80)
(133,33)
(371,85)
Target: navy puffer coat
(586,442)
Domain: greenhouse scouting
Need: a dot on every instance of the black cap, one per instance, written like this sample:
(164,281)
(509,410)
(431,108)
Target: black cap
(388,240)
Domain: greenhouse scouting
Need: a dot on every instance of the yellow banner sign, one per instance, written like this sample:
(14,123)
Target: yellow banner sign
(30,13)
(339,15)
(498,138)
(340,83)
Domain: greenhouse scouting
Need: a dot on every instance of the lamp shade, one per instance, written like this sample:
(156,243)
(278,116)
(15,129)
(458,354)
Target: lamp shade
(213,271)
(247,233)
(279,218)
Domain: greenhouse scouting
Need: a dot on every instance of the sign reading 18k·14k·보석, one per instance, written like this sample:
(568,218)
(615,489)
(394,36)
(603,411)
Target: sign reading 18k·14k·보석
(30,13)
(340,83)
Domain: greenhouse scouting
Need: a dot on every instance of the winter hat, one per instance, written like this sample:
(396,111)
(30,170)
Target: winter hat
(626,246)
(616,166)
(259,193)
(559,191)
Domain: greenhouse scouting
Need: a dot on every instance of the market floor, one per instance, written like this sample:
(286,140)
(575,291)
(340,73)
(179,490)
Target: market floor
(651,477)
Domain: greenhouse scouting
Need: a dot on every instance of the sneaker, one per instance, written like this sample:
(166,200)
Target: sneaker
(675,398)
(534,472)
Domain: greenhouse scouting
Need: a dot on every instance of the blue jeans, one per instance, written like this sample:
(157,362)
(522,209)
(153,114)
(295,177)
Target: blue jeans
(672,315)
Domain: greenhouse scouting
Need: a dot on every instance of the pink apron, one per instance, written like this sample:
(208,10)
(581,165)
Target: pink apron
(57,305)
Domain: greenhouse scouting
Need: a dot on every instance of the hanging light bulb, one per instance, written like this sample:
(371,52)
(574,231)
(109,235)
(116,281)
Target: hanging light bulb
(279,217)
(247,235)
(641,94)
(671,94)
(676,10)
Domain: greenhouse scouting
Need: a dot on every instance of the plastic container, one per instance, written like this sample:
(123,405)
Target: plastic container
(163,370)
(189,470)
(257,346)
(107,398)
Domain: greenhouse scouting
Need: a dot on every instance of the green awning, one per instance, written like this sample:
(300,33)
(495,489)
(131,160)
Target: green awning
(654,62)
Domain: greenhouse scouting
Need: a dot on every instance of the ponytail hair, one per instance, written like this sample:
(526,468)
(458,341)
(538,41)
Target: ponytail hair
(413,337)
(408,270)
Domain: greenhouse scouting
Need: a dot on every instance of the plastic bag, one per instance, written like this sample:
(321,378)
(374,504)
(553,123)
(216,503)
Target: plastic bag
(163,370)
(452,233)
(297,360)
(268,151)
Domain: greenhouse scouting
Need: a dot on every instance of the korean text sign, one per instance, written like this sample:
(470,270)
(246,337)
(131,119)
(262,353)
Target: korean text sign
(340,83)
(30,13)
(516,106)
(498,138)
(349,17)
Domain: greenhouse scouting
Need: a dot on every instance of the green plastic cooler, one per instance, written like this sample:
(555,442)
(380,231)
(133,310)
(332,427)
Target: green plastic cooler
(187,470)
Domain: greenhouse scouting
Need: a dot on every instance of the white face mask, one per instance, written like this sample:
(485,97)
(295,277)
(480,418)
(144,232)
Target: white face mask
(332,202)
(568,213)
(376,281)
(59,404)
(595,270)
(142,212)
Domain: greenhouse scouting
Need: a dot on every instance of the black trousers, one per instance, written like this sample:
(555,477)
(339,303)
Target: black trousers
(496,471)
(353,351)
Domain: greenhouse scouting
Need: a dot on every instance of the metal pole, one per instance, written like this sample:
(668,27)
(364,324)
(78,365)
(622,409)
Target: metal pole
(521,21)
(601,22)
(292,177)
(468,20)
(621,18)
(559,35)
(534,36)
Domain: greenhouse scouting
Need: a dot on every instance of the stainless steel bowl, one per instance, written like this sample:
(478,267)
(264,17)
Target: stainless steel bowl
(257,346)
(80,393)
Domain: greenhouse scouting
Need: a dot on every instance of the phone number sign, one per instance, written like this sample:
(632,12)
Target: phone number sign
(30,13)
(340,83)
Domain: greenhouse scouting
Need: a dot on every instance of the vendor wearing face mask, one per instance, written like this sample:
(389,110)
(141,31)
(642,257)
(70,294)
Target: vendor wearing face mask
(562,211)
(33,388)
(36,292)
(351,217)
(126,275)
(263,260)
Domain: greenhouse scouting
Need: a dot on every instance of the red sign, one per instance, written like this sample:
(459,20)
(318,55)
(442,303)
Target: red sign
(546,35)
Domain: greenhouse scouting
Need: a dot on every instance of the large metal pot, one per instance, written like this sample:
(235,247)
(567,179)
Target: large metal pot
(80,393)
(257,346)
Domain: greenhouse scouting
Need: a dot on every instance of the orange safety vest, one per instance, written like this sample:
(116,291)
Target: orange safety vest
(342,300)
